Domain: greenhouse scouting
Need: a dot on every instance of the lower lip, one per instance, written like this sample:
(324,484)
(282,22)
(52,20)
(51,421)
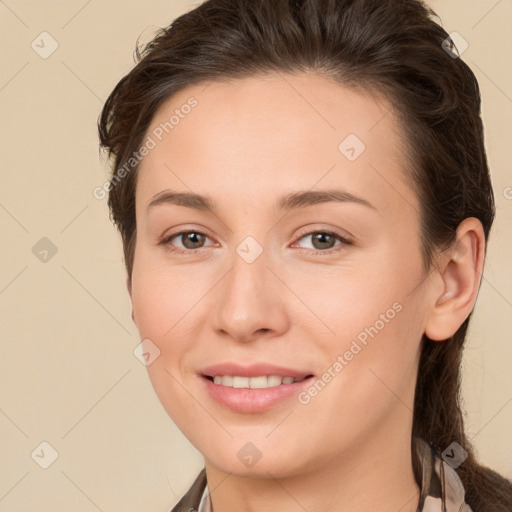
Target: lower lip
(249,400)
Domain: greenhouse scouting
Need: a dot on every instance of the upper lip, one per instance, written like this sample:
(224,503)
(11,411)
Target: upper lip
(253,370)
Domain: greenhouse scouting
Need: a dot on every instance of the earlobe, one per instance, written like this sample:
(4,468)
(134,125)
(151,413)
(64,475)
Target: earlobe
(461,274)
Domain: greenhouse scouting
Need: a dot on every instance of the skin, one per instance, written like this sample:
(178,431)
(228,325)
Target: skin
(247,143)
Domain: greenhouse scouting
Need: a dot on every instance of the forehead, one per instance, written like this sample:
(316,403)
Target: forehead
(275,131)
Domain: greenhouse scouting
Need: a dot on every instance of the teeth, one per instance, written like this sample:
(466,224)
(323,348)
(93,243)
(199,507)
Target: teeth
(255,382)
(273,380)
(237,381)
(240,382)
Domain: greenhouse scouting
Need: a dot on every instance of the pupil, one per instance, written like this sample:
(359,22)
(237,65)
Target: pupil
(322,237)
(192,238)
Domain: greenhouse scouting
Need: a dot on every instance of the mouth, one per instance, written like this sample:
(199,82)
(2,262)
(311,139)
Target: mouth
(257,387)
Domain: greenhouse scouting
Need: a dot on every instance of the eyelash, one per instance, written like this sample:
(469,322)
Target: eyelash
(344,242)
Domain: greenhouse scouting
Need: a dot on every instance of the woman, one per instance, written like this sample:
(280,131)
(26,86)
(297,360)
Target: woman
(304,201)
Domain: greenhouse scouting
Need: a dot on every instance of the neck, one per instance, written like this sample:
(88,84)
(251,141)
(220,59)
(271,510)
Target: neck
(375,473)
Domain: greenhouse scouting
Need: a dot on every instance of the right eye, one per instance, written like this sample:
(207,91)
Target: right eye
(190,241)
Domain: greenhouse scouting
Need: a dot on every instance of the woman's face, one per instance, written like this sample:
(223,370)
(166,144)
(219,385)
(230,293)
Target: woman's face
(306,257)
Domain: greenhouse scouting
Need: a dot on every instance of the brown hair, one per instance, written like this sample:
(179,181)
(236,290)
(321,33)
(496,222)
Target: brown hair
(391,46)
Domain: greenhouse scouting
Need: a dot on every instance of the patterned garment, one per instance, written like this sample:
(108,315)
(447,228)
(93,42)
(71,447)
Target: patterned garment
(441,488)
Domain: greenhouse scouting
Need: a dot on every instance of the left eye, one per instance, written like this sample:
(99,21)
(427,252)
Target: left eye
(323,240)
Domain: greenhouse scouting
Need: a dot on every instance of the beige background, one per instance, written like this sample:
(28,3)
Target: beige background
(68,373)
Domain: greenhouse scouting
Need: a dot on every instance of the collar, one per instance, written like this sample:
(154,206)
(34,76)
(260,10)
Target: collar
(441,489)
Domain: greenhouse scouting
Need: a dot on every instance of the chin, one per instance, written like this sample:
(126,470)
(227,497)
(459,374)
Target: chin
(246,460)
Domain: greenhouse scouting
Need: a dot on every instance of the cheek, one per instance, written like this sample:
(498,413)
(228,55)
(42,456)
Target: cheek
(165,309)
(373,324)
(163,294)
(345,301)
(367,375)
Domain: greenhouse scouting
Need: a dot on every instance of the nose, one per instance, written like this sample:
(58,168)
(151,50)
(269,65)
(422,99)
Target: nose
(250,301)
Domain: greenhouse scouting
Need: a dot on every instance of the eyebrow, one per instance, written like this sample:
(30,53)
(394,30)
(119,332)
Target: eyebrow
(292,201)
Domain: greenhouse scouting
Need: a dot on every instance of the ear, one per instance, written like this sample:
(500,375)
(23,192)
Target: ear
(461,273)
(129,288)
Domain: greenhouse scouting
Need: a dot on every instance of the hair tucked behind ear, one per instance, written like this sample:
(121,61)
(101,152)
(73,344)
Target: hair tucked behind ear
(394,47)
